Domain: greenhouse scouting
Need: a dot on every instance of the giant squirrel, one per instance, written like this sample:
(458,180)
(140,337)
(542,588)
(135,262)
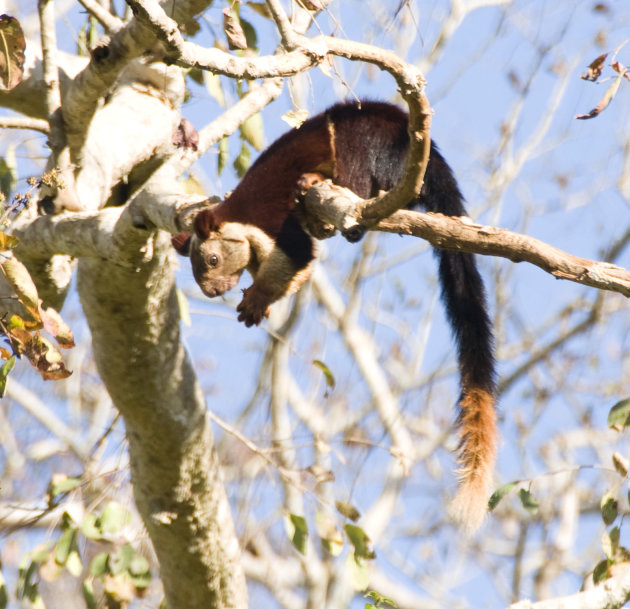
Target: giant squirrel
(361,147)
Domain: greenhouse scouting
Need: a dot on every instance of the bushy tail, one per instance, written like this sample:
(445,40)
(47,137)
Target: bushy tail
(465,301)
(464,298)
(477,452)
(371,144)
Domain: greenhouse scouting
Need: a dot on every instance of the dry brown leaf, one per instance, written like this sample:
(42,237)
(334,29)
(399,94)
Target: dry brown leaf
(605,100)
(233,30)
(12,45)
(594,70)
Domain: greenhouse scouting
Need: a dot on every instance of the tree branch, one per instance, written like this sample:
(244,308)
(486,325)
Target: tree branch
(105,67)
(133,316)
(34,405)
(459,234)
(610,594)
(49,52)
(110,22)
(309,53)
(23,122)
(60,157)
(328,203)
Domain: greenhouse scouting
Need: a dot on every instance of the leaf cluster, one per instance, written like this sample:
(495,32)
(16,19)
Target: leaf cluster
(113,578)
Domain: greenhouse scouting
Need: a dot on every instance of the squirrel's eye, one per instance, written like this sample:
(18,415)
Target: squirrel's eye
(213,260)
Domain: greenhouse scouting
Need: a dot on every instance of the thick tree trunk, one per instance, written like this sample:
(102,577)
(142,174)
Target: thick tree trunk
(134,319)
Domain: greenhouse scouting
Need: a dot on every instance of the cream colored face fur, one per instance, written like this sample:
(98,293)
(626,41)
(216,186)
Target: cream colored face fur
(219,261)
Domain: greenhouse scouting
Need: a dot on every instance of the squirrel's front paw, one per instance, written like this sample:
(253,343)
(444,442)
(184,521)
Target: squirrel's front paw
(253,308)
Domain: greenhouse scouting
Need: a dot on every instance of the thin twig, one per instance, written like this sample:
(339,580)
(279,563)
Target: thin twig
(110,22)
(282,22)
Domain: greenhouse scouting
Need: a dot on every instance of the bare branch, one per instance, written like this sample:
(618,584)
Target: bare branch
(459,234)
(545,351)
(363,349)
(23,122)
(110,22)
(226,124)
(105,67)
(32,403)
(283,23)
(76,234)
(286,474)
(49,51)
(309,53)
(328,202)
(60,157)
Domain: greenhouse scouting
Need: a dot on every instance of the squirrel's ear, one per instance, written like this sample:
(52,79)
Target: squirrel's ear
(181,243)
(205,223)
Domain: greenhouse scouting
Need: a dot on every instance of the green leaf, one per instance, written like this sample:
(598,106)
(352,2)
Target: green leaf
(60,483)
(191,185)
(140,571)
(261,8)
(609,508)
(610,543)
(379,599)
(250,34)
(120,561)
(74,564)
(615,536)
(90,528)
(4,595)
(139,564)
(222,159)
(113,518)
(89,597)
(601,572)
(99,567)
(197,75)
(528,501)
(8,173)
(500,493)
(297,531)
(328,375)
(40,553)
(619,415)
(252,131)
(330,537)
(184,310)
(242,162)
(213,86)
(360,540)
(15,321)
(66,544)
(82,43)
(4,374)
(27,586)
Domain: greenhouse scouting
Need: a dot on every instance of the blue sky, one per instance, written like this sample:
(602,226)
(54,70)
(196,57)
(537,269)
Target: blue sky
(566,193)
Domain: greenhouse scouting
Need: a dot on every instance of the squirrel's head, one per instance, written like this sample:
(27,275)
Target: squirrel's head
(219,253)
